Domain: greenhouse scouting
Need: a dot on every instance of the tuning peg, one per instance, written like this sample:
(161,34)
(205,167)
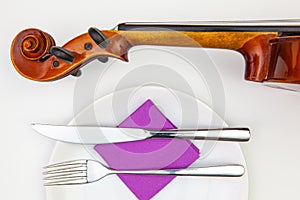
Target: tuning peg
(77,73)
(103,59)
(62,54)
(99,38)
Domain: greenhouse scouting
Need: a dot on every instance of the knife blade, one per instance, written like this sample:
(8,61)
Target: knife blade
(106,135)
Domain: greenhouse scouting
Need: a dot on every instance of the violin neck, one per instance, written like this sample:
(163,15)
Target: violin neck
(227,34)
(282,27)
(260,43)
(222,40)
(224,35)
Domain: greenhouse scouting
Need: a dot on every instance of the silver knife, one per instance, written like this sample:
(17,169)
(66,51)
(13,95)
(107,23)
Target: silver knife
(105,135)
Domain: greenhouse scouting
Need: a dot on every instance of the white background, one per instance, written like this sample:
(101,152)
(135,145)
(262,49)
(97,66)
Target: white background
(273,115)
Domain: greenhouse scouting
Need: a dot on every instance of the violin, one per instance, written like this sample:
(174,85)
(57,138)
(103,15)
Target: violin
(271,49)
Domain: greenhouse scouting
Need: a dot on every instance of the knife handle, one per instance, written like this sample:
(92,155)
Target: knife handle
(225,134)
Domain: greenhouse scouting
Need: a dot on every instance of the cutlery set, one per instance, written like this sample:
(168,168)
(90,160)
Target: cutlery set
(88,171)
(270,49)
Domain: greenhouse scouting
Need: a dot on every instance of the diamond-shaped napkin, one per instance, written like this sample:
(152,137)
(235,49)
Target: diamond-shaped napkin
(148,154)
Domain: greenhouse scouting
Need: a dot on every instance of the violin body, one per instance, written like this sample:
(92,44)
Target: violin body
(271,52)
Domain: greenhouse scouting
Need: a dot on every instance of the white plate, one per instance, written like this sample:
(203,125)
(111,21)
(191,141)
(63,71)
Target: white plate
(185,112)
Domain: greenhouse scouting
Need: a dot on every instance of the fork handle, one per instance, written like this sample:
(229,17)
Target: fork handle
(220,171)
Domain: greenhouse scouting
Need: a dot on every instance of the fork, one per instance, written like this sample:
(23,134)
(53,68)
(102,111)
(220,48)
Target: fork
(87,171)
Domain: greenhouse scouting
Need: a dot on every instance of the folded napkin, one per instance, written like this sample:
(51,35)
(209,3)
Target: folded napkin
(148,154)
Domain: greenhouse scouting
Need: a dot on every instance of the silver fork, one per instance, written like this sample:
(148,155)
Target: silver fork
(88,171)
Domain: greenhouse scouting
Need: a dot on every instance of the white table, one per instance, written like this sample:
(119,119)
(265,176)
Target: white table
(272,114)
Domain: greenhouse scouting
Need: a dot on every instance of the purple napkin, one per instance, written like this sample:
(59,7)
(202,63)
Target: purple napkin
(148,154)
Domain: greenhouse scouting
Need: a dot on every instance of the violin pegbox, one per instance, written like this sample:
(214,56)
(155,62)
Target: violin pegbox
(35,56)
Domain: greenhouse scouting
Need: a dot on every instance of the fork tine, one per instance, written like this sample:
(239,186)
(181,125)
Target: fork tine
(62,172)
(69,175)
(68,181)
(66,170)
(66,163)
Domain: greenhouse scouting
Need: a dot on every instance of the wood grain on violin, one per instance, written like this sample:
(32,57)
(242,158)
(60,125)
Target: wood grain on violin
(271,52)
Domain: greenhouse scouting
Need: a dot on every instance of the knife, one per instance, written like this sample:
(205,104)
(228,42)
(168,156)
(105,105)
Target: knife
(106,135)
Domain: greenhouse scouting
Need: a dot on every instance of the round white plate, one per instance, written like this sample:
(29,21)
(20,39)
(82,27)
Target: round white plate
(182,110)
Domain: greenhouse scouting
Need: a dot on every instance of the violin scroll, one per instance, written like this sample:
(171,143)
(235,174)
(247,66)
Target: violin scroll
(35,56)
(35,44)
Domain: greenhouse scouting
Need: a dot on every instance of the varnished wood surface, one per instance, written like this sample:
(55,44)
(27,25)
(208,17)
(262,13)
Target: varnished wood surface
(254,46)
(223,40)
(285,65)
(44,70)
(268,56)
